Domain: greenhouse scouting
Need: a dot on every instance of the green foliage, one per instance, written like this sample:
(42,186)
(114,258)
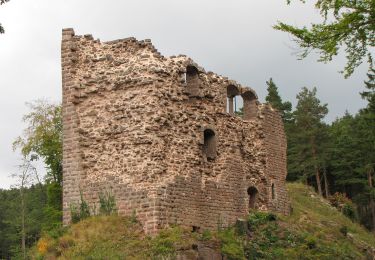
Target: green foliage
(10,218)
(206,235)
(344,204)
(274,99)
(231,244)
(313,231)
(164,245)
(307,138)
(107,203)
(349,211)
(259,218)
(43,137)
(112,237)
(346,24)
(369,94)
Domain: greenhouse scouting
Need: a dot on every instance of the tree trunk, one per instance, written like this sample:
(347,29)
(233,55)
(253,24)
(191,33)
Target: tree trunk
(317,174)
(325,183)
(318,182)
(23,236)
(372,206)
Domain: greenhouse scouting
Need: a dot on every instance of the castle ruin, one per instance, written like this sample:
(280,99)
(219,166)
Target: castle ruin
(162,136)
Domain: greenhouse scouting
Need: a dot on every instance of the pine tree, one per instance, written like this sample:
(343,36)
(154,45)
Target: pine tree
(275,100)
(308,138)
(369,95)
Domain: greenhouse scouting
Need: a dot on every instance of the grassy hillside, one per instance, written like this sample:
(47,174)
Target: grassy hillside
(314,230)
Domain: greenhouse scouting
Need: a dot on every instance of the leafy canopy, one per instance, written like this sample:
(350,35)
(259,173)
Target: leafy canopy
(42,139)
(348,24)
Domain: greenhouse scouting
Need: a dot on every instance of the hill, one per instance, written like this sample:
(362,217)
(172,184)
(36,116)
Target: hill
(314,230)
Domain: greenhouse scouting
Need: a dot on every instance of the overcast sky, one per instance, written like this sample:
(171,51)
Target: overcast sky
(232,38)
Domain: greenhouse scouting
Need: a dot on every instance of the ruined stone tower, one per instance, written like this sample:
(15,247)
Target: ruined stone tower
(161,135)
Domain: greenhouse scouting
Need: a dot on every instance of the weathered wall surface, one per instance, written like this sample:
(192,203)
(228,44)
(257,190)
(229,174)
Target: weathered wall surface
(140,125)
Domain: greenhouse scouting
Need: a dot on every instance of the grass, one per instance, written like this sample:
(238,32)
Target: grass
(112,237)
(314,230)
(314,215)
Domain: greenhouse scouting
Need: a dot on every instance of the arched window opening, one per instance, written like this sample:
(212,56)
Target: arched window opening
(232,92)
(253,195)
(273,191)
(192,80)
(209,146)
(250,109)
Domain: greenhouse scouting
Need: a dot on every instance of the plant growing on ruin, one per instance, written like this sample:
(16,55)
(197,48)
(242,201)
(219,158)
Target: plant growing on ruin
(80,210)
(107,203)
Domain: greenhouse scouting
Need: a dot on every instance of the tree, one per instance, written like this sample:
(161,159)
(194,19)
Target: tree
(308,138)
(42,139)
(352,159)
(25,178)
(274,99)
(1,3)
(369,94)
(346,24)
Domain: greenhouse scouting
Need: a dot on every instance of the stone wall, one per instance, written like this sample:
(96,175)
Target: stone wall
(135,124)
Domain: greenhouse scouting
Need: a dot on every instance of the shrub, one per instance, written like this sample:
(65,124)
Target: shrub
(349,211)
(80,211)
(344,204)
(260,218)
(107,204)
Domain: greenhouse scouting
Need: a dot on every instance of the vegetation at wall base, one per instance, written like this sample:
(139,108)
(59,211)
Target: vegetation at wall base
(314,230)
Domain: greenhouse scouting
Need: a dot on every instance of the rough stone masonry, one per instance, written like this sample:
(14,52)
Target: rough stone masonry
(162,136)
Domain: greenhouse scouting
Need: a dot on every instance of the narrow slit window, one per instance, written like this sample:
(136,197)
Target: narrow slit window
(209,147)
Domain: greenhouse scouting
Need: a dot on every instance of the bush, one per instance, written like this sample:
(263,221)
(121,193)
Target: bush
(349,211)
(344,204)
(259,218)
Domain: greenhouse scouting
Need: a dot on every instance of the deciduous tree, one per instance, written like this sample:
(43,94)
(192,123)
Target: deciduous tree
(347,25)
